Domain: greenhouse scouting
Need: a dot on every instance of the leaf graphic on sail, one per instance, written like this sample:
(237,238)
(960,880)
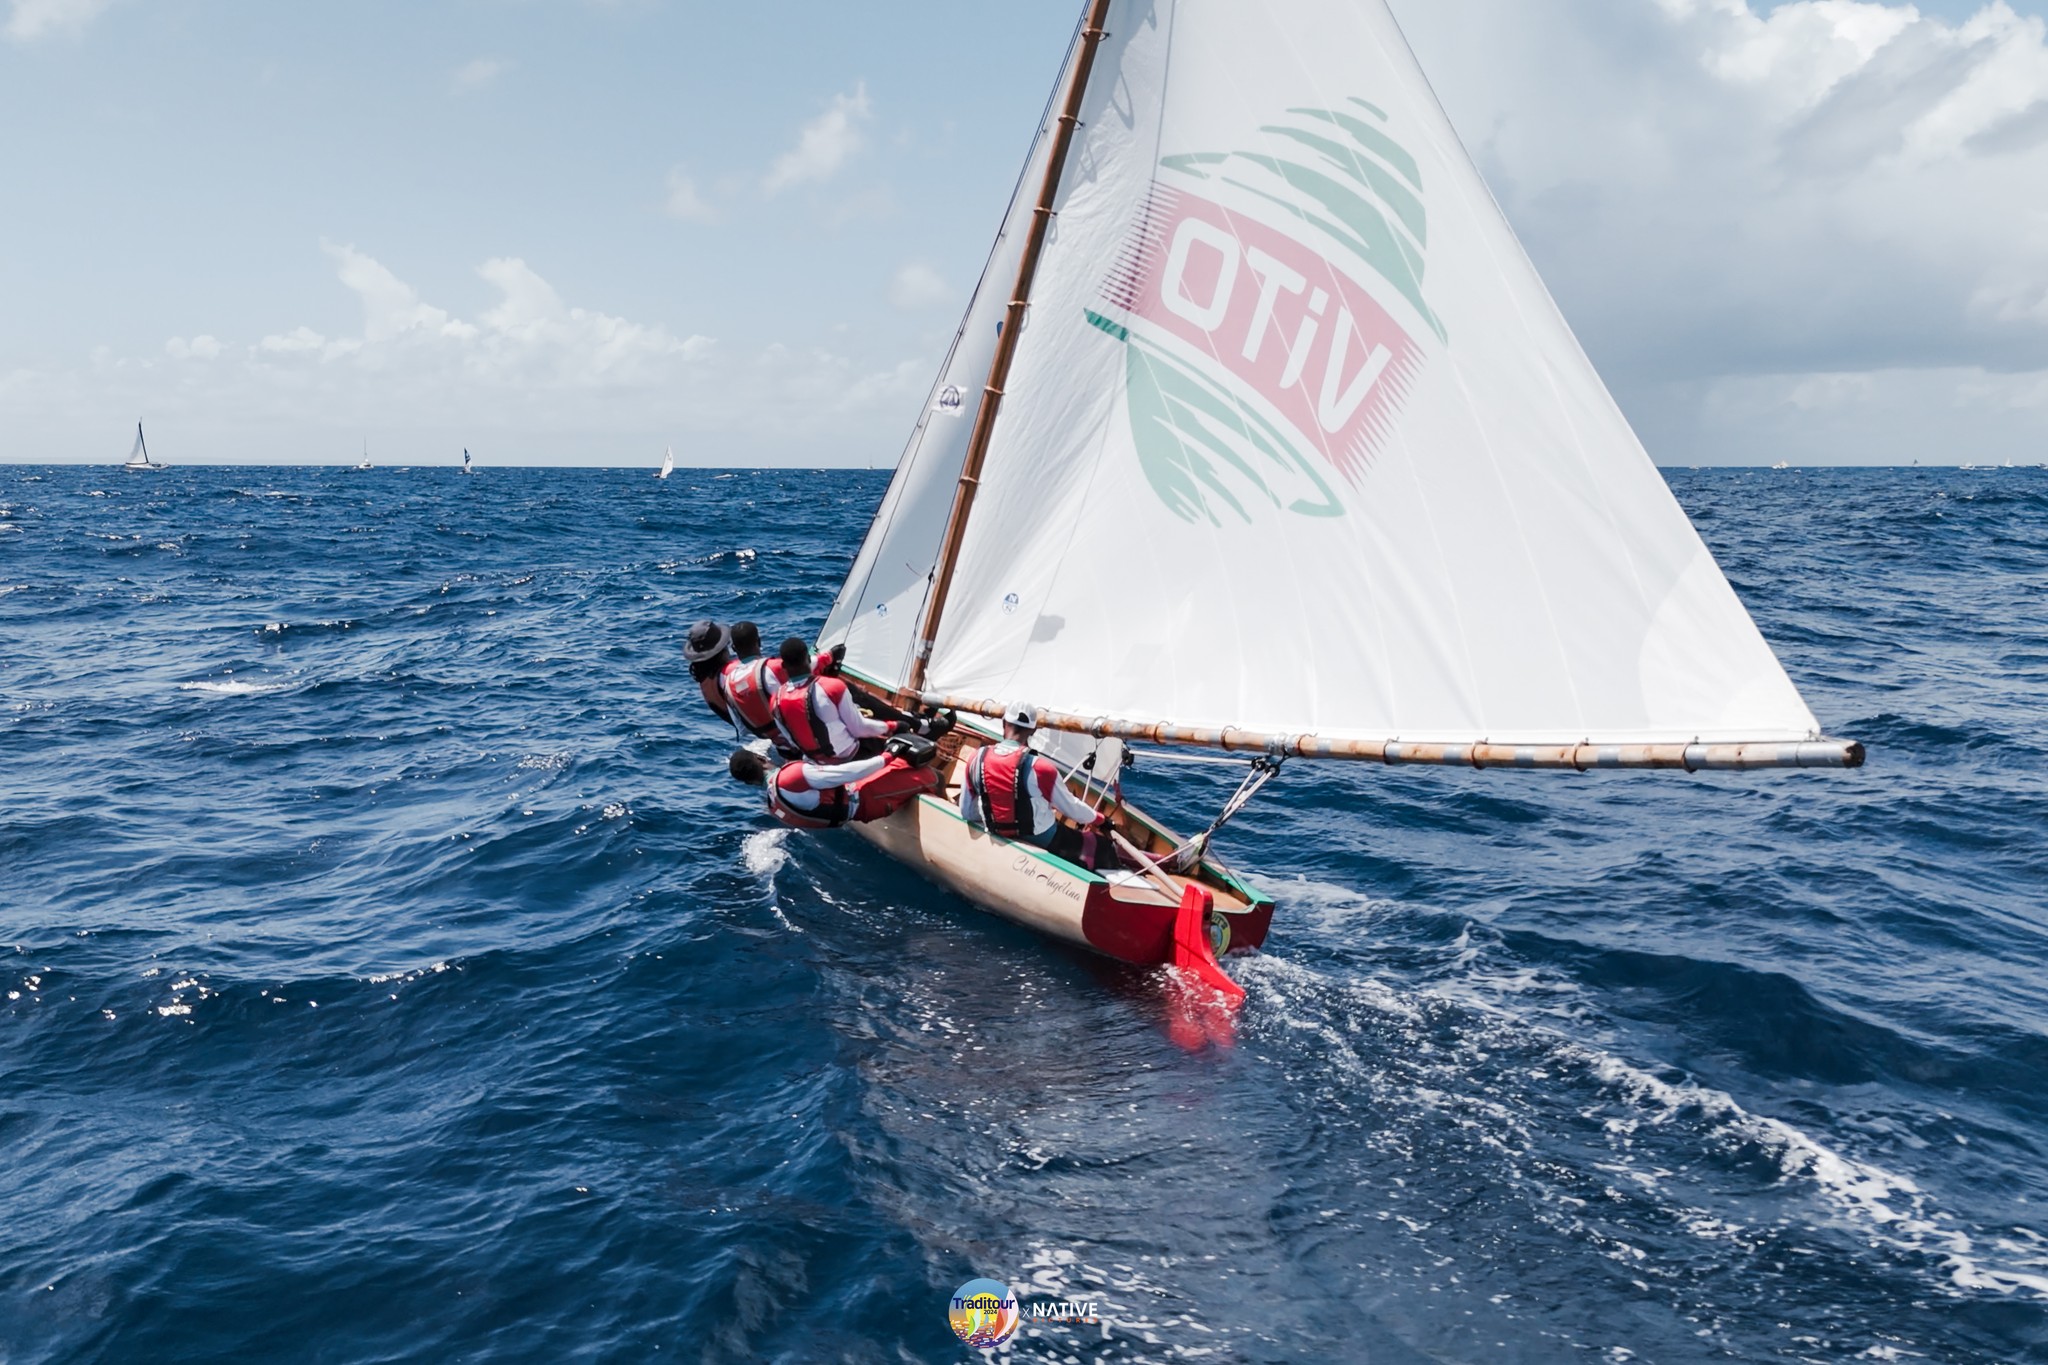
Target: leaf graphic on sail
(1202,451)
(1262,353)
(1362,190)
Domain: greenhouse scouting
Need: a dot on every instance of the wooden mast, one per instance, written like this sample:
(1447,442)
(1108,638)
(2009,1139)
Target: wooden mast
(1092,33)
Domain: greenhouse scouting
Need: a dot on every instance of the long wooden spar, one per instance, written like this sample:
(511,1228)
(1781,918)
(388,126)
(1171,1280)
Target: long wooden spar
(1816,753)
(1092,34)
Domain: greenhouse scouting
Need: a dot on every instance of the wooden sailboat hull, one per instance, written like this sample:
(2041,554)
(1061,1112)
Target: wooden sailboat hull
(1120,915)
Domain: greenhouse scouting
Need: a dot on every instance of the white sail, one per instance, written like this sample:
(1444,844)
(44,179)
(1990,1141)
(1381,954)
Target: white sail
(877,613)
(138,454)
(668,463)
(1296,440)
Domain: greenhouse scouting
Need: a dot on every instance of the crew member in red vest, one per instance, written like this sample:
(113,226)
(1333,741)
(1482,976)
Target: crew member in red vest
(807,795)
(749,683)
(1012,791)
(817,715)
(707,647)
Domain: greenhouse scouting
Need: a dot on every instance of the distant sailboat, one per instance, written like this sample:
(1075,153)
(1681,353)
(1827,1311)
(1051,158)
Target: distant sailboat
(138,456)
(668,463)
(467,468)
(366,455)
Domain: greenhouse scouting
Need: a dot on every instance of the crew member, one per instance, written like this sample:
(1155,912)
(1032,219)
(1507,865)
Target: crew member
(749,683)
(1012,791)
(816,714)
(807,795)
(708,647)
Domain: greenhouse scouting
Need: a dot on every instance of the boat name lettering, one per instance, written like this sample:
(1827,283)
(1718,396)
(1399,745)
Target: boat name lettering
(1059,886)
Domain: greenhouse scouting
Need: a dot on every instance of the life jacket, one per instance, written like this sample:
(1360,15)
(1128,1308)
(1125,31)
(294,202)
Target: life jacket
(1005,786)
(800,716)
(750,690)
(835,804)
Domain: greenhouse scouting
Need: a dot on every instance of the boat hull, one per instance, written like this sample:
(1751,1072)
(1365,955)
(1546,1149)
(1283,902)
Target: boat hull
(1120,915)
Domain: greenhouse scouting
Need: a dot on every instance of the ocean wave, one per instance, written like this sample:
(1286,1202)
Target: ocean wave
(1662,1133)
(233,687)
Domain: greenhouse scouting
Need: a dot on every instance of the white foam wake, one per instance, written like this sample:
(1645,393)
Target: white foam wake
(763,852)
(232,689)
(1886,1208)
(1893,1208)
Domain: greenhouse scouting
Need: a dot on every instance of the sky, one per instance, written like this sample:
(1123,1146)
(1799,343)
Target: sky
(580,231)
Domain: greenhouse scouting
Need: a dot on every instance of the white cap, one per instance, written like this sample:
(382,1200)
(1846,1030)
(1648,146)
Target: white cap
(1021,714)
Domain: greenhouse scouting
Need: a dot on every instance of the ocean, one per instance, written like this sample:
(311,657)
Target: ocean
(392,974)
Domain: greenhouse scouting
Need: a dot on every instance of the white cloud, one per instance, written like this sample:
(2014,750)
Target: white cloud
(826,144)
(684,202)
(917,287)
(1731,198)
(475,75)
(198,348)
(532,371)
(32,19)
(390,307)
(298,341)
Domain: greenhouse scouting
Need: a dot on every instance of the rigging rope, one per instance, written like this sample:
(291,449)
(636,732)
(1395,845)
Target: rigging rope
(1189,855)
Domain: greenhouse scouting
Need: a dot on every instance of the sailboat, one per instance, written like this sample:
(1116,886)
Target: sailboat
(138,454)
(668,463)
(365,465)
(1261,435)
(467,468)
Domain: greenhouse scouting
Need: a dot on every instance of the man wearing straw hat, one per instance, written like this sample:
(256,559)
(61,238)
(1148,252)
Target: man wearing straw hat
(707,649)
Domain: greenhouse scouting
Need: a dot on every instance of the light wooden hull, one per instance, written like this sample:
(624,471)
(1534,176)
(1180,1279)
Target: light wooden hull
(1120,915)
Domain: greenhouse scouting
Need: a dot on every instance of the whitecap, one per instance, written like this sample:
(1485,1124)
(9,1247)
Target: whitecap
(1892,1207)
(232,689)
(763,853)
(1886,1209)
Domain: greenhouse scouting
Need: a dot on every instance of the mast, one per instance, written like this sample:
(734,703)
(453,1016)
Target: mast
(1092,34)
(141,442)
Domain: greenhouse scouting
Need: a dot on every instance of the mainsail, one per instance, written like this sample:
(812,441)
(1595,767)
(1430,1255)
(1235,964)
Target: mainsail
(138,454)
(1296,442)
(881,603)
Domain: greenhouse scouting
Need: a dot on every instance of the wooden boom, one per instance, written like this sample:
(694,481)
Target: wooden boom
(1692,758)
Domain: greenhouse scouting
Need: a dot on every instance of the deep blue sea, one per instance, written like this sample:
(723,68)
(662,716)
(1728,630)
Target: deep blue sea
(392,974)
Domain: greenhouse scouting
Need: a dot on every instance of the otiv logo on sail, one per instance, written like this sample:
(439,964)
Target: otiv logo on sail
(1259,359)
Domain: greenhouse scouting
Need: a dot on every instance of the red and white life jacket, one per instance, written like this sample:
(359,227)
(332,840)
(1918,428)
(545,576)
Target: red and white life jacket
(749,689)
(1006,784)
(834,808)
(800,716)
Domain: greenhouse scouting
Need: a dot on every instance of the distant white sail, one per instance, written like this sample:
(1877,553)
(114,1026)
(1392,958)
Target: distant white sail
(466,466)
(879,607)
(138,454)
(1297,441)
(668,463)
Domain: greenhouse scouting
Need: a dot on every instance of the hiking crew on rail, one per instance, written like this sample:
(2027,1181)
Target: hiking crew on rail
(815,796)
(819,716)
(738,684)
